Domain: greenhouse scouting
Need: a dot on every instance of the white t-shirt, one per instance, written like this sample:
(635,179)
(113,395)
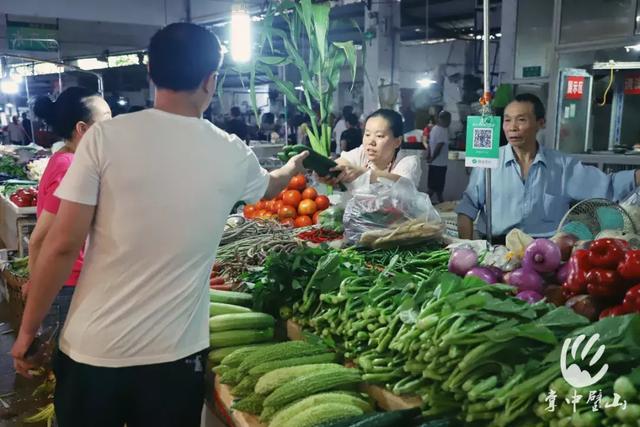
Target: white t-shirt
(406,165)
(340,127)
(439,135)
(163,186)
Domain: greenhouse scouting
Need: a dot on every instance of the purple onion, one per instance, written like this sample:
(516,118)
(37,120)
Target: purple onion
(497,272)
(529,296)
(542,255)
(526,280)
(484,274)
(563,273)
(462,260)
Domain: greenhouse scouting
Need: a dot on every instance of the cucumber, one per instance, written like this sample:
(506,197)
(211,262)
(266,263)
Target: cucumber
(230,297)
(217,308)
(240,337)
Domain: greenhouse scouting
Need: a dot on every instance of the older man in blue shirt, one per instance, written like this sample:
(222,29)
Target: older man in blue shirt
(534,186)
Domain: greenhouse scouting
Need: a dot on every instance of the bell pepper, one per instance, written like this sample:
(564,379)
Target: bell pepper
(629,268)
(617,310)
(632,299)
(607,253)
(579,266)
(604,283)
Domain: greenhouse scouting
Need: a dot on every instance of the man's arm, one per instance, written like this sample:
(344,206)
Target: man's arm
(59,251)
(471,204)
(43,225)
(437,151)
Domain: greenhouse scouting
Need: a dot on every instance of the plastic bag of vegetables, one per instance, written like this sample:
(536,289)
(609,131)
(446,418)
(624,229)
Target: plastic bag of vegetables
(385,205)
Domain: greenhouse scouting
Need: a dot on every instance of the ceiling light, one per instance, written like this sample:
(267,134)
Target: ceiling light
(240,35)
(425,82)
(9,87)
(122,101)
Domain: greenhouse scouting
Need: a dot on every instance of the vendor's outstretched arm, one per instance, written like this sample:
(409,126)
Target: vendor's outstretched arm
(465,227)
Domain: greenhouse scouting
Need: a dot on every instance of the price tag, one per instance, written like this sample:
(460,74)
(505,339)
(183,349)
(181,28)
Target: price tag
(483,142)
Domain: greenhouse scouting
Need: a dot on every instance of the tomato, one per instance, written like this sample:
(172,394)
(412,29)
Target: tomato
(249,211)
(309,193)
(322,202)
(292,198)
(271,206)
(287,211)
(277,204)
(280,194)
(264,214)
(298,182)
(315,217)
(262,204)
(307,207)
(288,221)
(303,221)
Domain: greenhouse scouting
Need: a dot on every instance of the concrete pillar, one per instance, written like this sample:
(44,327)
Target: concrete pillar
(383,51)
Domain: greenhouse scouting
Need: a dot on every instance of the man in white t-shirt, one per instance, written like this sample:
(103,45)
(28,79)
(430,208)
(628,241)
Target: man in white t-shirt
(341,126)
(439,155)
(153,190)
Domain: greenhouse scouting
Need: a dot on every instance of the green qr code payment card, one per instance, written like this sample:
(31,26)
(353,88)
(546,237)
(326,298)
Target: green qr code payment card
(483,142)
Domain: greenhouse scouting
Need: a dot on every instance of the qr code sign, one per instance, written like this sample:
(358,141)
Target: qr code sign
(482,138)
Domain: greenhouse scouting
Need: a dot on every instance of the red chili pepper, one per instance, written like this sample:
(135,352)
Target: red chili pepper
(617,310)
(604,283)
(629,268)
(579,266)
(607,253)
(632,299)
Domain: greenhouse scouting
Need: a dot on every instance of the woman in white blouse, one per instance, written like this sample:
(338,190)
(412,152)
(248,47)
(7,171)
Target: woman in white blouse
(379,153)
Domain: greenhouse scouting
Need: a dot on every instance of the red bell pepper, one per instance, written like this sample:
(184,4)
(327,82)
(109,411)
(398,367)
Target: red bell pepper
(632,299)
(617,310)
(629,268)
(607,253)
(604,283)
(579,266)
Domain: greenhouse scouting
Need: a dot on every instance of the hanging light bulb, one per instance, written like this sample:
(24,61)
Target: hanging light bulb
(240,34)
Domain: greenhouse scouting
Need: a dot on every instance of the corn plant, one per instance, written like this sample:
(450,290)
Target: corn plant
(319,63)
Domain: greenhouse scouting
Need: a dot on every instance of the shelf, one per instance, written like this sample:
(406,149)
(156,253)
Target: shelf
(239,419)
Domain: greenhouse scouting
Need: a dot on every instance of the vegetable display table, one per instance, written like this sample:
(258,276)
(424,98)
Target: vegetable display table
(9,227)
(239,419)
(383,397)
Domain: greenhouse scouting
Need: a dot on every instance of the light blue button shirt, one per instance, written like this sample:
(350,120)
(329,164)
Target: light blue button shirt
(538,204)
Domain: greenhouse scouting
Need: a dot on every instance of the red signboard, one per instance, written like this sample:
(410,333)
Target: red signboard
(575,87)
(632,84)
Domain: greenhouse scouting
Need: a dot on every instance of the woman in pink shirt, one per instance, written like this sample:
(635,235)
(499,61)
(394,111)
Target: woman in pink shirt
(69,117)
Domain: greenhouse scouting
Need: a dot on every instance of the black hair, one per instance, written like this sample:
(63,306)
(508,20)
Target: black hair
(444,115)
(135,108)
(346,110)
(352,119)
(538,106)
(235,112)
(182,55)
(69,109)
(393,117)
(268,118)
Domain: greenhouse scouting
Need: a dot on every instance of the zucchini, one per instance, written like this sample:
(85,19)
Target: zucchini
(323,380)
(217,308)
(309,402)
(230,297)
(322,413)
(226,322)
(238,337)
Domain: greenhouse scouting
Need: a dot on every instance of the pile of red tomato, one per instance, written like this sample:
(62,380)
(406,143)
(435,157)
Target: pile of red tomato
(297,205)
(25,197)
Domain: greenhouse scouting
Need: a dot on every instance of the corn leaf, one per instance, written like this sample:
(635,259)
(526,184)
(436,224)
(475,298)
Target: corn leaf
(315,143)
(349,50)
(274,60)
(321,23)
(220,85)
(252,93)
(305,11)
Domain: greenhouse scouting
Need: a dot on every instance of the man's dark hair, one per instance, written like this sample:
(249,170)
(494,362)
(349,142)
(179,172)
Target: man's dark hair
(346,110)
(235,112)
(444,115)
(268,118)
(24,115)
(182,55)
(352,119)
(538,106)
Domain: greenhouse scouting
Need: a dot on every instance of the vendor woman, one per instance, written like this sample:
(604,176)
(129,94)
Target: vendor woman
(379,153)
(534,187)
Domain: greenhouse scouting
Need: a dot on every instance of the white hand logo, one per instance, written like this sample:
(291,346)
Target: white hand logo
(574,375)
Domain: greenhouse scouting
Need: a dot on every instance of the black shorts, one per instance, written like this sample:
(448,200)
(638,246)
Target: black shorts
(161,395)
(437,176)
